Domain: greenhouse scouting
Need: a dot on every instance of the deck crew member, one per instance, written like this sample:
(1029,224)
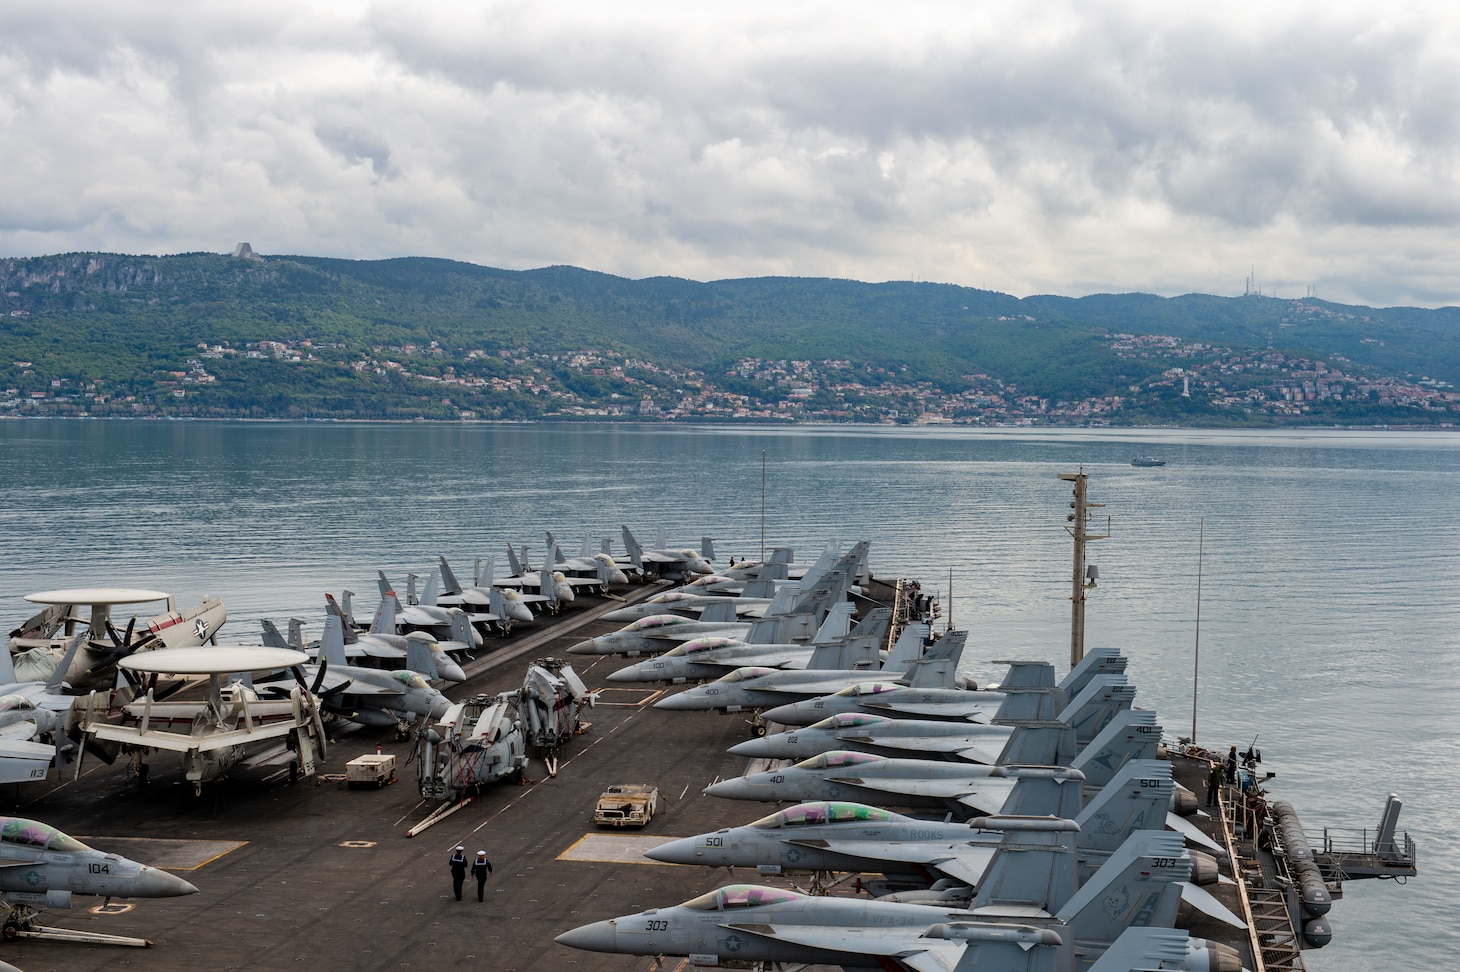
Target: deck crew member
(480,868)
(458,869)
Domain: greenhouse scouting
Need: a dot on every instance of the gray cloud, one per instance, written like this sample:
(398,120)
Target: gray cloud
(1053,148)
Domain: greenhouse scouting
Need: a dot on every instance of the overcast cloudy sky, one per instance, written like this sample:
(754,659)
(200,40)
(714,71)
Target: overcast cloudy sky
(1052,147)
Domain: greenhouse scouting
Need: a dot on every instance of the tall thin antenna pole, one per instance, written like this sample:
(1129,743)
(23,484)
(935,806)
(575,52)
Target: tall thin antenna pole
(950,598)
(1196,655)
(762,506)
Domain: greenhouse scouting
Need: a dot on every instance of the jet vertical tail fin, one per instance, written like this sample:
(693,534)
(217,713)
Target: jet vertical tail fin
(1027,674)
(497,604)
(57,681)
(837,625)
(449,583)
(420,658)
(513,564)
(548,585)
(1041,790)
(1039,744)
(1097,661)
(720,612)
(707,548)
(907,649)
(433,589)
(1140,885)
(347,609)
(332,642)
(636,552)
(1131,734)
(387,592)
(461,629)
(1135,799)
(296,634)
(938,668)
(1026,704)
(271,637)
(1094,707)
(1033,867)
(760,588)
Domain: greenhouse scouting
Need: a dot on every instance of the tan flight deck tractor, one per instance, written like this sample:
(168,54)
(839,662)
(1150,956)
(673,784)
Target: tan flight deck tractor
(627,805)
(372,769)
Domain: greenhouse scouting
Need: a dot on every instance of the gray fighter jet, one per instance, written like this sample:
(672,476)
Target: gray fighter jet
(41,867)
(418,651)
(667,562)
(427,616)
(588,566)
(835,646)
(1034,885)
(368,696)
(1025,691)
(839,836)
(764,688)
(791,617)
(1037,743)
(693,603)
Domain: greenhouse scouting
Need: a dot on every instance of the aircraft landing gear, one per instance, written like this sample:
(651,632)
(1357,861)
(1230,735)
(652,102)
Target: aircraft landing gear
(19,922)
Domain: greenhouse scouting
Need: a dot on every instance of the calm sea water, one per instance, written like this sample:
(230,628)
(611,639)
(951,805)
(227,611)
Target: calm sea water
(1329,564)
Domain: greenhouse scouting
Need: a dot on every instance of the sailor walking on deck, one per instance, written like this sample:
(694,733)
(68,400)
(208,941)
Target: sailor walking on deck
(458,870)
(1232,766)
(480,868)
(1214,781)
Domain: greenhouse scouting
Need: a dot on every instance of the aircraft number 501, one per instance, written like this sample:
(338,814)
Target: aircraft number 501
(1150,784)
(714,841)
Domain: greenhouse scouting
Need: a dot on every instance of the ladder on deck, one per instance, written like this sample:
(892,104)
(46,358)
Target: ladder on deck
(1274,943)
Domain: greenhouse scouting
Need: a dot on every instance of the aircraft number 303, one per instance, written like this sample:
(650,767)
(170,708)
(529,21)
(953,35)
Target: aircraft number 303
(656,924)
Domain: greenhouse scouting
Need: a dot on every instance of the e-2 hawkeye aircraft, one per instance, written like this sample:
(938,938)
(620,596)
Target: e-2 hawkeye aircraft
(40,643)
(212,735)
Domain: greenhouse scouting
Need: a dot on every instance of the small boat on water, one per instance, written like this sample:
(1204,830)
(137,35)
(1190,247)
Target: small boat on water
(1147,461)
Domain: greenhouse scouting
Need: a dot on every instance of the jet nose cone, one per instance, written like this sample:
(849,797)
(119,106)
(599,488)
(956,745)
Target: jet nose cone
(786,715)
(736,789)
(680,851)
(630,674)
(152,883)
(624,614)
(450,670)
(752,749)
(601,936)
(589,647)
(683,702)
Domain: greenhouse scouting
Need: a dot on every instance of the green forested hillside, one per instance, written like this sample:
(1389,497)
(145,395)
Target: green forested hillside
(415,337)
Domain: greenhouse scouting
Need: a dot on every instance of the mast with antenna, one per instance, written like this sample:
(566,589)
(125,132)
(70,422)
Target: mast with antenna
(1196,655)
(1084,577)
